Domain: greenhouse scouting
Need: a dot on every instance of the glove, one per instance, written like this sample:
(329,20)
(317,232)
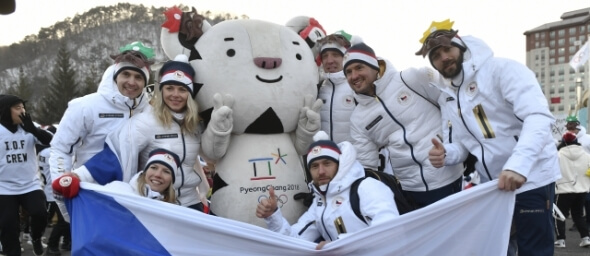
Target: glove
(307,198)
(309,116)
(221,117)
(67,185)
(28,124)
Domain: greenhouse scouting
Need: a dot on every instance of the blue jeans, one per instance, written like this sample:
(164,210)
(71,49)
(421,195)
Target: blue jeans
(534,221)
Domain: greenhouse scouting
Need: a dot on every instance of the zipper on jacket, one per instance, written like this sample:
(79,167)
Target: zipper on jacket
(323,212)
(331,106)
(450,131)
(182,160)
(405,141)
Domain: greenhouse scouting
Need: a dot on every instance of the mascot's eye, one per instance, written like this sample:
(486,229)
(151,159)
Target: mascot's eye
(298,56)
(231,52)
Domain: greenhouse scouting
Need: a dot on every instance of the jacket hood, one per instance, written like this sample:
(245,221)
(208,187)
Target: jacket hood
(349,170)
(573,151)
(478,52)
(6,102)
(581,132)
(389,72)
(109,90)
(335,78)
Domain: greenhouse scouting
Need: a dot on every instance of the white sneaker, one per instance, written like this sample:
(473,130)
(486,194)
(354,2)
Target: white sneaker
(26,236)
(585,242)
(560,243)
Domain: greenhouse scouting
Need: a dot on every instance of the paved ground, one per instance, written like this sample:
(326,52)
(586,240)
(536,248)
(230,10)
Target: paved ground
(28,249)
(571,249)
(571,244)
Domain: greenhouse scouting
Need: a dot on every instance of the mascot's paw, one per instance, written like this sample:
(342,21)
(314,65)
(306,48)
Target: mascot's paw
(221,117)
(68,185)
(309,116)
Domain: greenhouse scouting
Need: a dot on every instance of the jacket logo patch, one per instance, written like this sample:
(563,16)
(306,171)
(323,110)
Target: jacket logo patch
(374,122)
(111,115)
(471,89)
(348,101)
(337,202)
(166,136)
(450,99)
(403,98)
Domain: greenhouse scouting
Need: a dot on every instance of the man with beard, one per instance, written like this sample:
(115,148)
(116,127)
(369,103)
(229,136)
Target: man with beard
(502,117)
(397,111)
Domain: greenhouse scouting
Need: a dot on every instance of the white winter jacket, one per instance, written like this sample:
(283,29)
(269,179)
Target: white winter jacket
(504,117)
(339,103)
(573,162)
(87,121)
(583,139)
(144,133)
(403,117)
(333,209)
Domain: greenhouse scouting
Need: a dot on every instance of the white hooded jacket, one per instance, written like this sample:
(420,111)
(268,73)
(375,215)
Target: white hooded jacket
(573,162)
(403,117)
(87,121)
(333,209)
(583,139)
(338,105)
(504,117)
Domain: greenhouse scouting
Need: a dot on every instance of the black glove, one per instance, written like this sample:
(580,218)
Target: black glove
(28,124)
(307,198)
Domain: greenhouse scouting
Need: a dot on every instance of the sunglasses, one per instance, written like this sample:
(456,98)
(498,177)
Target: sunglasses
(134,57)
(436,39)
(341,40)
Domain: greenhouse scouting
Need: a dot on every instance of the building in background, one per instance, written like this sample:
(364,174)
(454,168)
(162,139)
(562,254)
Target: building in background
(550,48)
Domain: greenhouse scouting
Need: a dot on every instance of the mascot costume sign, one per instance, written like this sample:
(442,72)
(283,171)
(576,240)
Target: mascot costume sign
(263,77)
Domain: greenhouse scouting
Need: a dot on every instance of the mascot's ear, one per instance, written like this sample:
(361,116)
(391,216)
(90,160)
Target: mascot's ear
(180,32)
(309,29)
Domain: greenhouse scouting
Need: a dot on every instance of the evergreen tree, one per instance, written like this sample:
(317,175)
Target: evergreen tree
(62,88)
(90,84)
(24,90)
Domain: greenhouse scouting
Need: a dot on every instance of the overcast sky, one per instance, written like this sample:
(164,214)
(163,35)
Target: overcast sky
(391,27)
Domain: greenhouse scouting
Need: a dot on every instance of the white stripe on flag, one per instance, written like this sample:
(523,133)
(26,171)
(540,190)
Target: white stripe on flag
(151,227)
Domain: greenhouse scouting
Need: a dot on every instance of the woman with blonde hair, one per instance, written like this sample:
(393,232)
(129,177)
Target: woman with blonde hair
(171,123)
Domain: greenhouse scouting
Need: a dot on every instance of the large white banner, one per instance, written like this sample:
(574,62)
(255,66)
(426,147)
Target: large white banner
(473,222)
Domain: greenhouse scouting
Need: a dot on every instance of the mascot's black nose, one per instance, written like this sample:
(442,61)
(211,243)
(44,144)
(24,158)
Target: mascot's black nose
(267,123)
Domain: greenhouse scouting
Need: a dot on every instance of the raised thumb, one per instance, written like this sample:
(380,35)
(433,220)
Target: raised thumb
(437,144)
(271,193)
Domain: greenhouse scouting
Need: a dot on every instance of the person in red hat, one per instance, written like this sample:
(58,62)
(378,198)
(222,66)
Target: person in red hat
(572,188)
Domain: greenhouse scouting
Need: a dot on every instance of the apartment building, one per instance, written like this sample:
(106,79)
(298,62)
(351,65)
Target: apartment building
(549,50)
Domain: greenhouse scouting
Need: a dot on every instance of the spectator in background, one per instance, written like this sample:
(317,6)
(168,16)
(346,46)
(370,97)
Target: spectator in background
(20,185)
(572,188)
(61,228)
(573,125)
